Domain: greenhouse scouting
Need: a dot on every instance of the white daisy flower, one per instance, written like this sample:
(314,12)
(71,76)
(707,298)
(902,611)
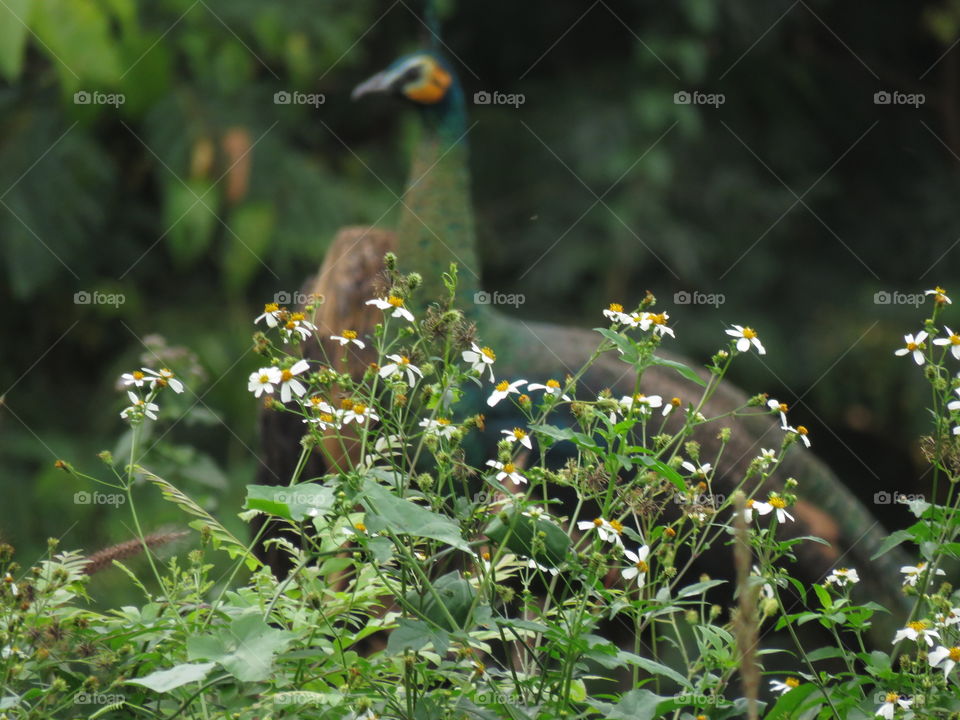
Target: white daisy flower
(784,687)
(669,407)
(507,470)
(139,406)
(800,430)
(939,295)
(551,388)
(289,385)
(393,303)
(913,573)
(658,321)
(325,421)
(263,380)
(534,565)
(609,531)
(164,377)
(271,315)
(518,435)
(953,340)
(746,337)
(944,658)
(765,508)
(954,405)
(913,345)
(401,364)
(137,378)
(297,324)
(643,404)
(480,359)
(780,407)
(615,313)
(441,427)
(889,706)
(766,458)
(503,389)
(700,471)
(917,630)
(348,336)
(951,617)
(843,577)
(639,568)
(360,413)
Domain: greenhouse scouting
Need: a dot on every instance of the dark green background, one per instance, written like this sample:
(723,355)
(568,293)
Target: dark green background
(94,193)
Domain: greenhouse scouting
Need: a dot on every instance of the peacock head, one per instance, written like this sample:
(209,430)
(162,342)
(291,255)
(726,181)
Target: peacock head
(421,78)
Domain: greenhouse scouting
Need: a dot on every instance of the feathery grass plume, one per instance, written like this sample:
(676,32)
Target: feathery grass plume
(103,559)
(746,620)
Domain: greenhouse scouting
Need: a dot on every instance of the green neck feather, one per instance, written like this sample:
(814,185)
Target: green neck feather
(436,222)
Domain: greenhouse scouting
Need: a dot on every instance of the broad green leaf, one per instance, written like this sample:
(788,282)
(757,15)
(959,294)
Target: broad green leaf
(451,597)
(891,541)
(246,242)
(293,503)
(190,216)
(76,36)
(177,676)
(680,368)
(245,649)
(654,668)
(408,635)
(638,705)
(14,21)
(668,472)
(519,530)
(628,349)
(825,600)
(577,438)
(790,701)
(387,511)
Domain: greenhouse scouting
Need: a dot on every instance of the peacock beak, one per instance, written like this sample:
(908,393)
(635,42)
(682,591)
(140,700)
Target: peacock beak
(381,82)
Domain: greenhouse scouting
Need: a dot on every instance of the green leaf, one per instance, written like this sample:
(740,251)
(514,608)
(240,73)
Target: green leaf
(668,472)
(246,242)
(654,668)
(293,503)
(165,680)
(790,701)
(628,349)
(638,705)
(14,21)
(386,511)
(189,214)
(245,649)
(408,635)
(680,368)
(825,600)
(519,530)
(451,595)
(577,438)
(891,541)
(76,35)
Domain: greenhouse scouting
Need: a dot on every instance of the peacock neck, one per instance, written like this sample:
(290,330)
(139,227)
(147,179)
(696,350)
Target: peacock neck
(436,222)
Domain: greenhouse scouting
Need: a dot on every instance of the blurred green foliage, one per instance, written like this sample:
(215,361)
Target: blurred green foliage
(199,197)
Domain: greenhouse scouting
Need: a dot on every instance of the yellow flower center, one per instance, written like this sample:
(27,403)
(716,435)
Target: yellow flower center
(917,625)
(271,308)
(346,404)
(315,401)
(778,503)
(297,317)
(659,319)
(553,384)
(519,434)
(842,571)
(524,399)
(291,325)
(783,407)
(598,522)
(955,654)
(326,418)
(750,503)
(286,376)
(802,430)
(264,379)
(395,301)
(509,468)
(911,346)
(485,555)
(488,353)
(642,566)
(670,532)
(137,375)
(359,409)
(502,386)
(443,421)
(791,682)
(349,334)
(404,360)
(891,697)
(675,402)
(955,339)
(749,333)
(360,526)
(615,307)
(616,526)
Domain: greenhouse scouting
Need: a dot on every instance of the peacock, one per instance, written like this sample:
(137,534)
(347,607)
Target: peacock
(436,228)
